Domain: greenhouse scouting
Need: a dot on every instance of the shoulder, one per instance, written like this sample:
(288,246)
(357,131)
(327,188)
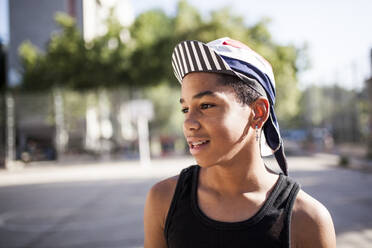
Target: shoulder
(157,205)
(311,224)
(160,197)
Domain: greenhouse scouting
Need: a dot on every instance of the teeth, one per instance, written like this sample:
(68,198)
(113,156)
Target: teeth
(199,143)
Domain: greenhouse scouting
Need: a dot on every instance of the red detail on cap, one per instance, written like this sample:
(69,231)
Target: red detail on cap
(238,44)
(235,43)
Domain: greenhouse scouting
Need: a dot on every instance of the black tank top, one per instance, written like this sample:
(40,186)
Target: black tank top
(187,226)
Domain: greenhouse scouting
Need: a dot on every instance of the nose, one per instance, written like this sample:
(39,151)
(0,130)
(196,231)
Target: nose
(191,124)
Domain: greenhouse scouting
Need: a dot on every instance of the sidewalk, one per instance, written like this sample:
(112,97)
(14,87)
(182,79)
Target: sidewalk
(356,155)
(81,171)
(53,172)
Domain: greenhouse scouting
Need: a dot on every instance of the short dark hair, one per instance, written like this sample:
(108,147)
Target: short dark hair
(244,93)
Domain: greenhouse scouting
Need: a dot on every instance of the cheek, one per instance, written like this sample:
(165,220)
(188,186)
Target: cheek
(231,126)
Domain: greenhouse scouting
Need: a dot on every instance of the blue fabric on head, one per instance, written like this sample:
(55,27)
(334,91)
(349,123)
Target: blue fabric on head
(271,127)
(250,70)
(271,131)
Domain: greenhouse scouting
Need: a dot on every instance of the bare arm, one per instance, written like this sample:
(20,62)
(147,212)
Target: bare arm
(312,225)
(156,209)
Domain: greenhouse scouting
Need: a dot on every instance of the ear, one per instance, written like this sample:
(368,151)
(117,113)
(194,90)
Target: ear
(261,112)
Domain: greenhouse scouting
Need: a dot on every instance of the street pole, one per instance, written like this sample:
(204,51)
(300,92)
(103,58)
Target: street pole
(142,111)
(369,88)
(10,134)
(2,127)
(144,145)
(61,134)
(369,139)
(3,87)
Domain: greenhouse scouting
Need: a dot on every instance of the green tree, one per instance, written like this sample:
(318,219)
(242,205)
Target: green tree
(71,62)
(149,57)
(143,58)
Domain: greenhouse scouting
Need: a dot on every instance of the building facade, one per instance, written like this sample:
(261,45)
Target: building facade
(33,20)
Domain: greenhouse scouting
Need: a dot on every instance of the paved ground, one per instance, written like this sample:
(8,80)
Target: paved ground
(101,205)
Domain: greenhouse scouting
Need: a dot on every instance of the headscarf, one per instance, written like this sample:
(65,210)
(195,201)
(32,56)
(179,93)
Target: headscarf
(232,57)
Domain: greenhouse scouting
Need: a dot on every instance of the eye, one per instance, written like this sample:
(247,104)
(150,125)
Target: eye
(206,105)
(184,110)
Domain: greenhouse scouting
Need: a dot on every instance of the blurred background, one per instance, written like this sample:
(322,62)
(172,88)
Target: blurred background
(89,108)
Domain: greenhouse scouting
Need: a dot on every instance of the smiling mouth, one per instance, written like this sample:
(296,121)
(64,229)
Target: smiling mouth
(198,144)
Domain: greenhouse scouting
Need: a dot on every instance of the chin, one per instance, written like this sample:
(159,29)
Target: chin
(210,161)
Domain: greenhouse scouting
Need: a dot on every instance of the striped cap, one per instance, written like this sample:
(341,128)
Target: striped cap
(235,58)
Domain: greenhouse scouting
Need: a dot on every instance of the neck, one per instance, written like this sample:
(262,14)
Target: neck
(244,173)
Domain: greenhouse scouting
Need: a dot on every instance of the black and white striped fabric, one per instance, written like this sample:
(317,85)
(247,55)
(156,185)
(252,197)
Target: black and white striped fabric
(194,56)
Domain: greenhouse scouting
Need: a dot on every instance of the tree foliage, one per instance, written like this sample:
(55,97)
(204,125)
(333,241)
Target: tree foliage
(139,56)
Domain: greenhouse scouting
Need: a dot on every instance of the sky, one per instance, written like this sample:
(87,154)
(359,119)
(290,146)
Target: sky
(338,33)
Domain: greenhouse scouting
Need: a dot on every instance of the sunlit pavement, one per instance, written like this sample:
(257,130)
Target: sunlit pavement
(101,204)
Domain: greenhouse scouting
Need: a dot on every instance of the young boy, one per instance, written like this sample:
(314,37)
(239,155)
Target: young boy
(231,199)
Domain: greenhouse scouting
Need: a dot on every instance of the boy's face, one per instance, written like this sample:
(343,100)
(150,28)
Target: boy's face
(216,125)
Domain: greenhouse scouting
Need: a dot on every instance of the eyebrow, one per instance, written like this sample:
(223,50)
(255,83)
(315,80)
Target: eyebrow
(200,95)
